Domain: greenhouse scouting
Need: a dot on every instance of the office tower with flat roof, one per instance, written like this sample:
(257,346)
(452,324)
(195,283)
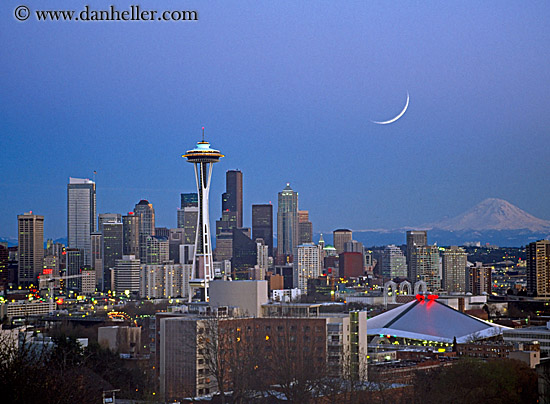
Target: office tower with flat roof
(287,221)
(538,268)
(340,238)
(425,267)
(112,248)
(108,217)
(127,275)
(130,234)
(415,238)
(203,158)
(146,214)
(232,209)
(305,228)
(454,265)
(188,216)
(81,215)
(31,247)
(157,250)
(97,258)
(75,264)
(4,259)
(244,253)
(393,263)
(262,225)
(232,199)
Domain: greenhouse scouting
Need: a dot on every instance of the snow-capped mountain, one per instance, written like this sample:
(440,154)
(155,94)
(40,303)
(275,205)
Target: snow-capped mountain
(493,214)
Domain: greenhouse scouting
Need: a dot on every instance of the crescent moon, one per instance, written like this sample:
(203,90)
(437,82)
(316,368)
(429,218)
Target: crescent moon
(398,116)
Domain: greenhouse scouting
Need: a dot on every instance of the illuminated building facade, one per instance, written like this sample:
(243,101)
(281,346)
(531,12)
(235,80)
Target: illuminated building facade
(287,221)
(81,215)
(31,247)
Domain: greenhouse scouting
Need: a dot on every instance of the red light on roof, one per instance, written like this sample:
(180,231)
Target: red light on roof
(47,271)
(130,213)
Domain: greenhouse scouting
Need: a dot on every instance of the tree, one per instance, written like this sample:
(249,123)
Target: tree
(501,381)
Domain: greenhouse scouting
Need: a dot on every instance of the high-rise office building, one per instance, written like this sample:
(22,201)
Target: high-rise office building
(112,248)
(244,253)
(232,199)
(340,238)
(4,259)
(107,217)
(130,234)
(31,247)
(97,258)
(188,216)
(454,264)
(203,159)
(127,275)
(538,268)
(146,214)
(305,228)
(262,225)
(81,215)
(157,250)
(393,263)
(287,221)
(232,208)
(415,238)
(75,264)
(425,266)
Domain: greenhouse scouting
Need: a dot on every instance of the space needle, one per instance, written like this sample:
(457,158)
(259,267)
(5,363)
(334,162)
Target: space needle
(203,158)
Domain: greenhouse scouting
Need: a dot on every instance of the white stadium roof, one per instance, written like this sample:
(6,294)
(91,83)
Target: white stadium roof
(430,320)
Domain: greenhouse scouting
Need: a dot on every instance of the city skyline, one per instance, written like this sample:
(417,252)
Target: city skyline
(294,102)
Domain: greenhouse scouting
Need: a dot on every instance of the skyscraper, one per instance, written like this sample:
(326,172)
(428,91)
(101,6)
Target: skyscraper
(130,234)
(455,275)
(146,214)
(232,199)
(244,253)
(262,225)
(538,268)
(232,209)
(287,221)
(31,247)
(305,228)
(112,248)
(81,215)
(188,216)
(203,158)
(415,238)
(108,217)
(341,237)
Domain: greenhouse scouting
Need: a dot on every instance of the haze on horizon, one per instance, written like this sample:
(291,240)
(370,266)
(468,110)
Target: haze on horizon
(287,92)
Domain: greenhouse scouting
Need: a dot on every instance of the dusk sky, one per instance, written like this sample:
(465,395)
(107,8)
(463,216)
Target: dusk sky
(287,91)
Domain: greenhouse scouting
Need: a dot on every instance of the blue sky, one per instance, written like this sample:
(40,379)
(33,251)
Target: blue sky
(287,91)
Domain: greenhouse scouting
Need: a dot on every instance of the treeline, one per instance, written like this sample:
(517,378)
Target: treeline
(66,373)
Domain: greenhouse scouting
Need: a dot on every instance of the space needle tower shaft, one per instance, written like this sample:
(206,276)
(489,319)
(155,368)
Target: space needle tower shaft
(203,158)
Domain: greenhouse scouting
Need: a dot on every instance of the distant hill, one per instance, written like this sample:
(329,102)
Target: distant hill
(492,214)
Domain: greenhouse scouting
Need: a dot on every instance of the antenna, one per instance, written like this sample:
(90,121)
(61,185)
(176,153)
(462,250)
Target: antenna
(203,133)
